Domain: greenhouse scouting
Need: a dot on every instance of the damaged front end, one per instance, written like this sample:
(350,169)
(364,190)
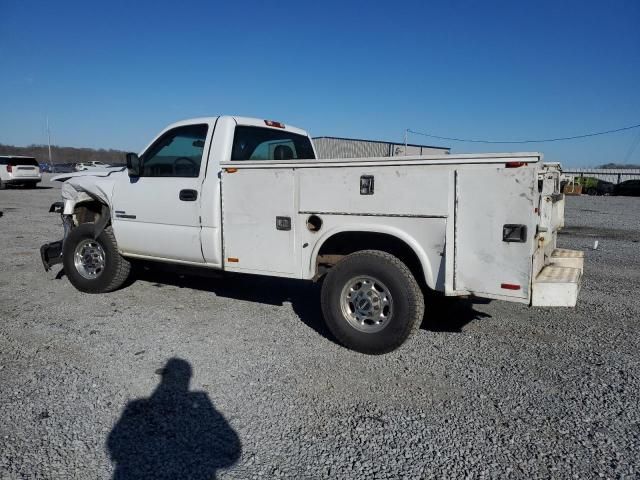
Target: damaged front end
(86,200)
(51,253)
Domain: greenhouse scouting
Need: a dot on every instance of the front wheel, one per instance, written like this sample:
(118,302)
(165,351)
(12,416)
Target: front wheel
(94,265)
(371,302)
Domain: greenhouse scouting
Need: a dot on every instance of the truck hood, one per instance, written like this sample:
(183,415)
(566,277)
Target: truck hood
(105,172)
(89,185)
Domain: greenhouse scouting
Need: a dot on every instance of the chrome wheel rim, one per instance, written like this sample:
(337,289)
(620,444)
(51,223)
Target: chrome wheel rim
(366,304)
(88,259)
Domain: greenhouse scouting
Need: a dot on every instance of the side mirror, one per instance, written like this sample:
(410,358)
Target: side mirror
(133,164)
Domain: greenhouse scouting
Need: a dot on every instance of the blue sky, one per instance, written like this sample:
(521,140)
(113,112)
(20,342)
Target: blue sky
(112,74)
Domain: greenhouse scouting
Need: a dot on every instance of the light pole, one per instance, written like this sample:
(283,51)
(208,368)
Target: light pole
(53,170)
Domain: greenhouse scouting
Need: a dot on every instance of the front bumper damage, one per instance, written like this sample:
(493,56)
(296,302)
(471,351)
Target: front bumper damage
(77,188)
(51,253)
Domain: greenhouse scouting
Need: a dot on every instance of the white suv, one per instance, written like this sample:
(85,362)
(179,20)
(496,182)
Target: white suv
(17,170)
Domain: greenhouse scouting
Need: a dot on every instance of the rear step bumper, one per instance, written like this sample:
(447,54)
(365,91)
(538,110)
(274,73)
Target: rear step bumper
(561,257)
(556,285)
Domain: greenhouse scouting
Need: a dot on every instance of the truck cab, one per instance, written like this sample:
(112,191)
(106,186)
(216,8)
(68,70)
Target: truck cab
(180,171)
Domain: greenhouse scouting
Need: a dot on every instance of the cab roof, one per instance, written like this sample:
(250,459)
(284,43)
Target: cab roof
(245,121)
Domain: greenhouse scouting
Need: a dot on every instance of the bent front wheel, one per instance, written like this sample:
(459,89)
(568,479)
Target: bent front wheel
(94,265)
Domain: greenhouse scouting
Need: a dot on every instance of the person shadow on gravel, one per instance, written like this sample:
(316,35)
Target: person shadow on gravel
(174,433)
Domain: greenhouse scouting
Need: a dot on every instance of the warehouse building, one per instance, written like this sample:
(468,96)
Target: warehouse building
(337,147)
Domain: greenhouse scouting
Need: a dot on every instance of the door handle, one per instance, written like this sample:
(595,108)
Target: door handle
(188,195)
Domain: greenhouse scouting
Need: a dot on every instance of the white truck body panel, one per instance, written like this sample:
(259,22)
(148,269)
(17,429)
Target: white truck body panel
(250,205)
(487,199)
(163,227)
(413,201)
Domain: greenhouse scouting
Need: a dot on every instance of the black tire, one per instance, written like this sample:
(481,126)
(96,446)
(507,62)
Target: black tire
(3,185)
(116,268)
(407,301)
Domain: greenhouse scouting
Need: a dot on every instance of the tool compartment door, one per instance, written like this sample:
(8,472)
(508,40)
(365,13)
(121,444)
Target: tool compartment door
(252,201)
(487,199)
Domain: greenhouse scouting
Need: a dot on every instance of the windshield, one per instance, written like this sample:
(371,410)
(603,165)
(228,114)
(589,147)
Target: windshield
(257,143)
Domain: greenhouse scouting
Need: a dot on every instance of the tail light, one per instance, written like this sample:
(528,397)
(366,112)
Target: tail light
(9,168)
(271,123)
(515,164)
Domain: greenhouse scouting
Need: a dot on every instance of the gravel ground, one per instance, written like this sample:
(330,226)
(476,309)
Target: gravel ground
(97,386)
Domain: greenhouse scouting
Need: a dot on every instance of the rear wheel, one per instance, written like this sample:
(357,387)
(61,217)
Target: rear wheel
(2,185)
(94,265)
(371,302)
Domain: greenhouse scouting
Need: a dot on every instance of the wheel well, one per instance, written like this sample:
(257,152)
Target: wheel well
(345,243)
(87,212)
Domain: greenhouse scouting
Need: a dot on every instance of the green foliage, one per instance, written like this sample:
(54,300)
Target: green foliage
(587,182)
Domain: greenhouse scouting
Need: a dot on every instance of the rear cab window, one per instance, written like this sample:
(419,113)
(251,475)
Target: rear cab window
(260,143)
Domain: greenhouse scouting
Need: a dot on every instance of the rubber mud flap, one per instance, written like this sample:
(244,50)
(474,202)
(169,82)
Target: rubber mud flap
(51,254)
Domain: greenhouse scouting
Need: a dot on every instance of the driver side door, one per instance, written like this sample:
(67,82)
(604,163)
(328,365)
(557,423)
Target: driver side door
(157,214)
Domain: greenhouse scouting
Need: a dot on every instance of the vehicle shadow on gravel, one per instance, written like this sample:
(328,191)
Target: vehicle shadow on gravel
(451,314)
(303,296)
(175,433)
(442,314)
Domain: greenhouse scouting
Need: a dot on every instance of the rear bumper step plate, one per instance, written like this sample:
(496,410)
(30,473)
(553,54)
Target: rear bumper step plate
(556,286)
(561,257)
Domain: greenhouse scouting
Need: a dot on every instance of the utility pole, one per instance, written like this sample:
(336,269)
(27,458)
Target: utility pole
(49,143)
(406,138)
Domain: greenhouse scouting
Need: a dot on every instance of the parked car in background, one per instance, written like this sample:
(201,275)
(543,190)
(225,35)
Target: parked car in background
(602,188)
(630,188)
(63,168)
(18,170)
(95,165)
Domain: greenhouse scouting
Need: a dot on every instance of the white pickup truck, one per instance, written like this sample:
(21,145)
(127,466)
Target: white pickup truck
(249,196)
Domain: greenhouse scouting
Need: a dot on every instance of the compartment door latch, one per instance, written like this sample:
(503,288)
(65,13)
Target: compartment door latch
(514,233)
(366,185)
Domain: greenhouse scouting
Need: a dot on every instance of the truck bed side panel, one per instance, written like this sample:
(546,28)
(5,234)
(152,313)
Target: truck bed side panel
(252,199)
(397,190)
(488,199)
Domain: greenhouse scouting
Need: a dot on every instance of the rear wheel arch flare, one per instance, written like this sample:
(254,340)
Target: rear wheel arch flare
(393,241)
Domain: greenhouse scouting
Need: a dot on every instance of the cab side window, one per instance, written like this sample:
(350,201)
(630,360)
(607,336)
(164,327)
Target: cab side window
(178,153)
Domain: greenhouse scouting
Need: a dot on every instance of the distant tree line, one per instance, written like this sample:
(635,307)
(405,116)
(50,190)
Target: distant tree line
(62,155)
(618,165)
